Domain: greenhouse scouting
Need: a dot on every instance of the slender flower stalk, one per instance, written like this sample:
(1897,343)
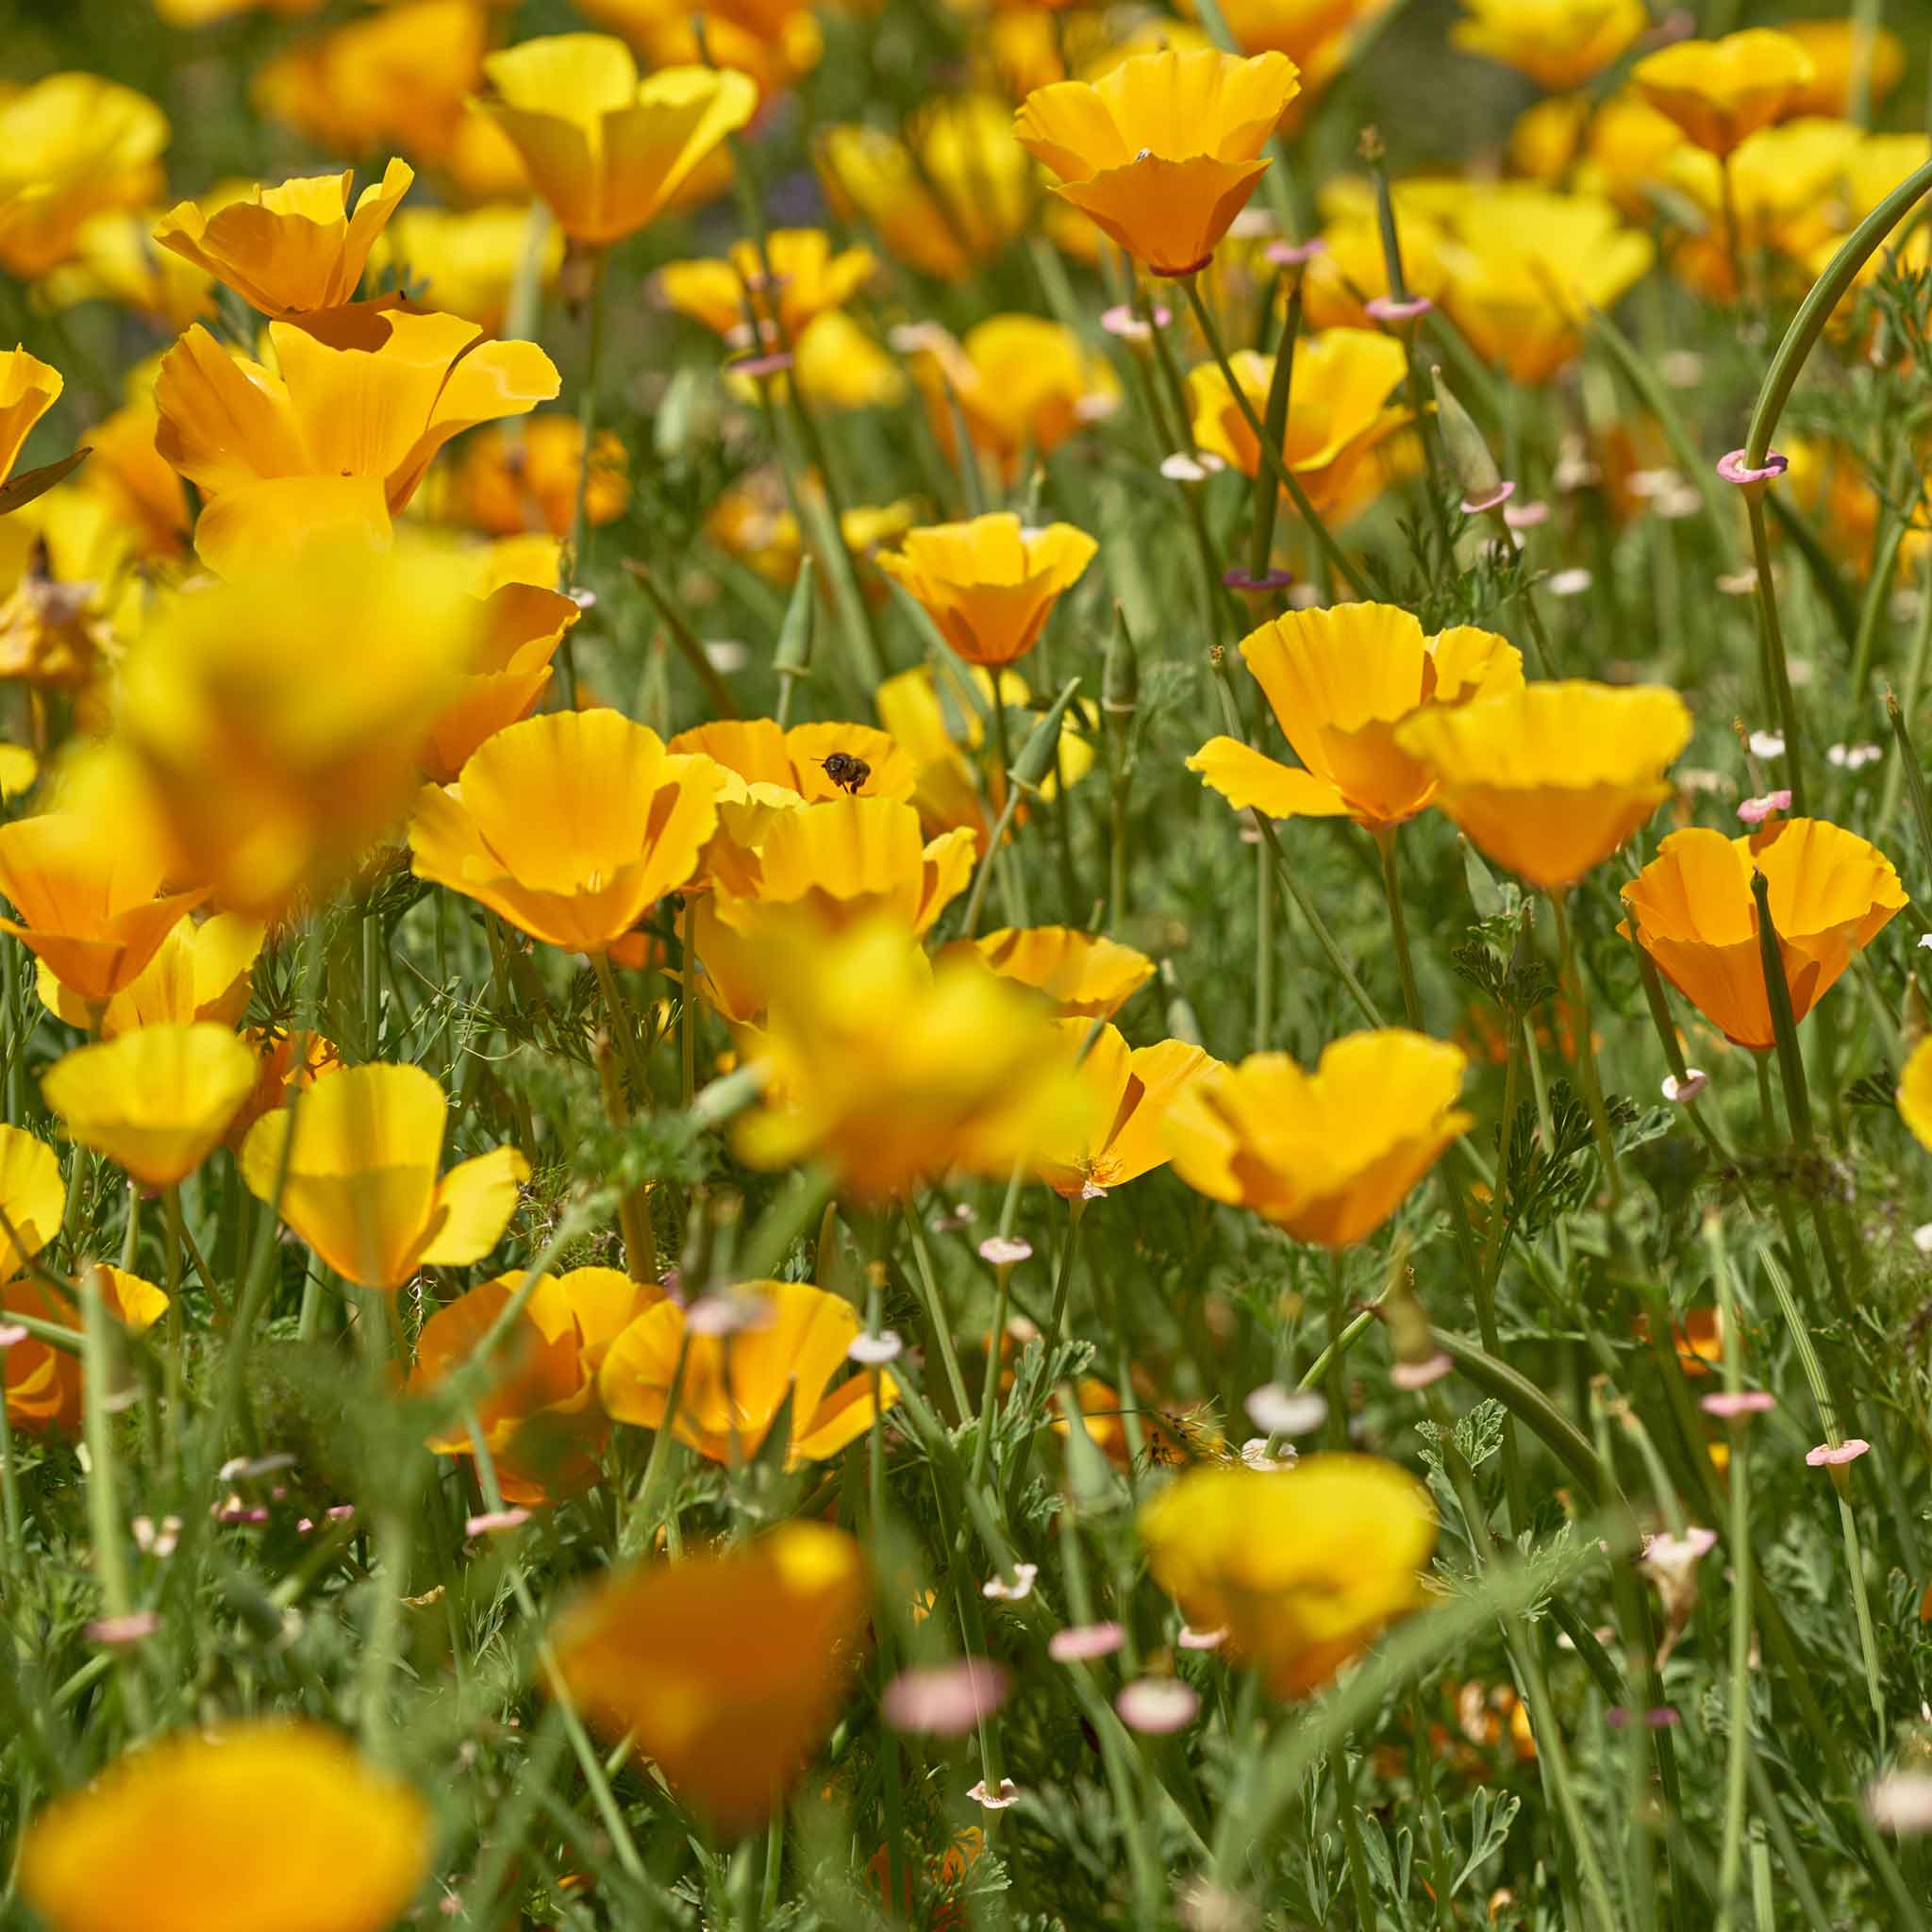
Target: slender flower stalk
(1586,1047)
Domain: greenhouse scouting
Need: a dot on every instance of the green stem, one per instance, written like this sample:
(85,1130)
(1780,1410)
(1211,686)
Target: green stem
(1391,891)
(1776,671)
(1585,1048)
(102,1502)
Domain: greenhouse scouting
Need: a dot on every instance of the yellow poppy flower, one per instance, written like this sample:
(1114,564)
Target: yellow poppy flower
(273,722)
(1915,1092)
(1562,45)
(291,248)
(1551,779)
(1329,1156)
(808,278)
(503,484)
(1084,974)
(1318,36)
(137,483)
(795,760)
(1340,682)
(1692,910)
(372,391)
(71,145)
(45,1385)
(198,973)
(1161,154)
(891,1069)
(990,585)
(156,1101)
(605,150)
(734,1386)
(946,198)
(32,1198)
(571,825)
(466,260)
(775,42)
(1832,46)
(521,628)
(279,1072)
(85,893)
(1303,1572)
(837,364)
(263,1826)
(362,1185)
(28,388)
(1132,1092)
(1719,91)
(1627,147)
(728,1668)
(1338,411)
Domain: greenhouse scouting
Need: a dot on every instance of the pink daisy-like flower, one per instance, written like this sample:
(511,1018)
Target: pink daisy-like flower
(1526,516)
(1824,1456)
(1731,1406)
(1191,1639)
(136,1626)
(1005,1250)
(1682,1092)
(1477,505)
(489,1522)
(945,1700)
(1294,254)
(1081,1644)
(1008,1794)
(1414,1375)
(1736,468)
(1754,812)
(1158,1705)
(1387,309)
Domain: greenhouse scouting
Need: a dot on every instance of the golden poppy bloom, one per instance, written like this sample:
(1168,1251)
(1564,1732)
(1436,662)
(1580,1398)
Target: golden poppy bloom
(273,722)
(1832,46)
(947,197)
(31,1195)
(1551,779)
(1915,1092)
(764,753)
(201,972)
(607,151)
(280,1071)
(45,1385)
(775,42)
(1133,1089)
(28,388)
(1692,910)
(1719,91)
(728,1668)
(571,825)
(991,584)
(1304,1572)
(291,248)
(1338,411)
(134,480)
(1340,682)
(892,1069)
(1318,36)
(734,1386)
(1562,45)
(808,278)
(1085,975)
(521,627)
(363,1188)
(374,391)
(156,1101)
(85,893)
(1161,154)
(257,1826)
(505,484)
(467,259)
(1328,1156)
(71,147)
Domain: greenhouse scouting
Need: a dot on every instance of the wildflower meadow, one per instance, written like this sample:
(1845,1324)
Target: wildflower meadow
(962,965)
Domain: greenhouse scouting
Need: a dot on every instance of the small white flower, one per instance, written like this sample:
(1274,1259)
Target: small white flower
(1287,1411)
(1006,1251)
(1921,1239)
(1571,583)
(874,1351)
(1767,744)
(1016,1591)
(1008,1793)
(1182,466)
(1682,1092)
(1255,1454)
(1901,1802)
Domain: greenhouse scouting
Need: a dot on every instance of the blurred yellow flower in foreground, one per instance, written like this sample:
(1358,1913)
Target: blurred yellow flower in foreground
(1339,682)
(1328,1156)
(1832,46)
(45,1384)
(1561,45)
(794,1345)
(990,585)
(1162,153)
(1719,91)
(1085,975)
(28,388)
(1303,1571)
(199,971)
(1915,1092)
(571,825)
(605,150)
(726,1669)
(289,248)
(363,1187)
(1692,908)
(157,1101)
(1551,779)
(263,1826)
(1132,1090)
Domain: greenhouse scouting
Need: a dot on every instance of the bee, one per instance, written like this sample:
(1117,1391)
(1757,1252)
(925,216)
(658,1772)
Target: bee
(847,772)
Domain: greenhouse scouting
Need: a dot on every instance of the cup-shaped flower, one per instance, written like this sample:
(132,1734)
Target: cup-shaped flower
(1302,1571)
(1692,910)
(33,1199)
(156,1101)
(200,971)
(1162,153)
(1085,975)
(607,151)
(571,825)
(1329,1156)
(1719,91)
(86,896)
(360,1182)
(1339,681)
(370,391)
(1915,1093)
(28,388)
(734,1386)
(1562,45)
(808,278)
(1133,1089)
(293,248)
(728,1668)
(521,627)
(803,758)
(991,584)
(890,1070)
(1339,411)
(273,722)
(1551,779)
(264,1826)
(45,1384)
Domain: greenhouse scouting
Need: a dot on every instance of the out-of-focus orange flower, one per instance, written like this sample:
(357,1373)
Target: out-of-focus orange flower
(1318,36)
(990,585)
(1561,45)
(521,628)
(505,481)
(775,42)
(1719,91)
(1832,46)
(44,1384)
